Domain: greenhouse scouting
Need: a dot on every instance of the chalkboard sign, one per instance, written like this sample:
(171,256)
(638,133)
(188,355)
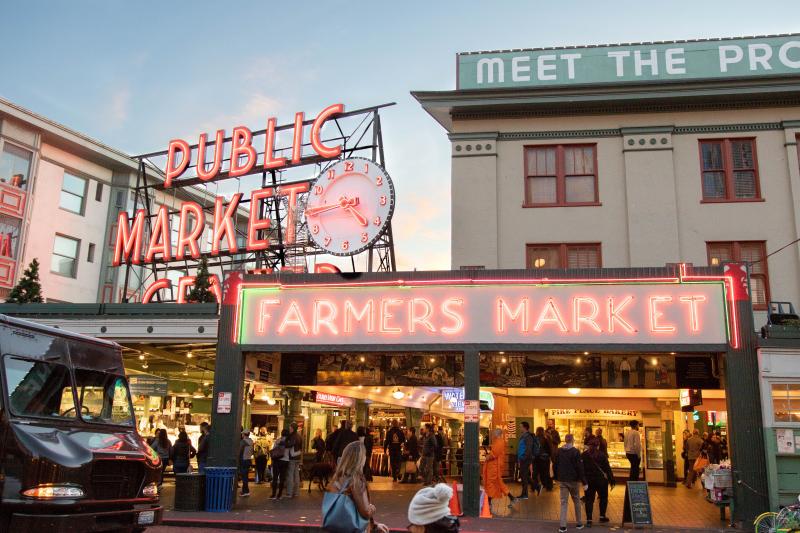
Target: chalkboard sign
(637,504)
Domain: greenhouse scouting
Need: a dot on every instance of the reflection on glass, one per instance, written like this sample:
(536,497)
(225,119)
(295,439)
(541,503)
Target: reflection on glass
(39,388)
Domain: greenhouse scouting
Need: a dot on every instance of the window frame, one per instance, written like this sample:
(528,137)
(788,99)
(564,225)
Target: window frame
(563,253)
(561,186)
(5,141)
(728,170)
(76,259)
(736,248)
(771,383)
(62,191)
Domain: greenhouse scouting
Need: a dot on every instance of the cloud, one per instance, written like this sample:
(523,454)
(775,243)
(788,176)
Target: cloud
(421,235)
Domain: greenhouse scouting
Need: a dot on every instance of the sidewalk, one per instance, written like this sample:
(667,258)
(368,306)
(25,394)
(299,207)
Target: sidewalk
(674,509)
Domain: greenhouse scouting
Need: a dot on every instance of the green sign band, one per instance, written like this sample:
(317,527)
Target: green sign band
(727,58)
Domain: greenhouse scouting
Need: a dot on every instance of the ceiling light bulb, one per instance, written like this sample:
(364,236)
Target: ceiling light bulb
(270,401)
(574,390)
(585,353)
(145,365)
(189,355)
(501,353)
(432,359)
(141,357)
(362,358)
(655,361)
(503,360)
(578,360)
(398,394)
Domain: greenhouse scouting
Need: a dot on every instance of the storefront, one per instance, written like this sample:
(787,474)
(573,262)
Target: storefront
(575,350)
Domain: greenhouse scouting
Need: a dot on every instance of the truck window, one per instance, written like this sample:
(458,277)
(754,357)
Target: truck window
(38,388)
(104,398)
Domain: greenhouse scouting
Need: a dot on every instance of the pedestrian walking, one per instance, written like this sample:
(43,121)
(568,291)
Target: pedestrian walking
(393,445)
(410,456)
(280,464)
(346,436)
(526,451)
(541,461)
(349,479)
(163,447)
(182,453)
(598,477)
(365,436)
(633,449)
(202,446)
(261,448)
(569,473)
(494,467)
(428,455)
(602,443)
(294,446)
(685,455)
(694,450)
(245,460)
(429,511)
(318,445)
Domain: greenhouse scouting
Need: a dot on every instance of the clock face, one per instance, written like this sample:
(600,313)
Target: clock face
(349,205)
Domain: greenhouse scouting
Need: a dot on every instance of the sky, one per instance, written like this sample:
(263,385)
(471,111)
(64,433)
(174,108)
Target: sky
(136,74)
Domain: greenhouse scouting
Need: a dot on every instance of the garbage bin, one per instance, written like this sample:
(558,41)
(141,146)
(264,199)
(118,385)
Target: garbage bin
(189,492)
(219,488)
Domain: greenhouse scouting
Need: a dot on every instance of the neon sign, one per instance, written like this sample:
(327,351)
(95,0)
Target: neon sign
(485,312)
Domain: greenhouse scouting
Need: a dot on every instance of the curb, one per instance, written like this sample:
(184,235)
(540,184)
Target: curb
(249,525)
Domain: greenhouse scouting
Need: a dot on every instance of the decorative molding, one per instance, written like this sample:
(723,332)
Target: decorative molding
(477,136)
(566,134)
(790,124)
(647,129)
(728,128)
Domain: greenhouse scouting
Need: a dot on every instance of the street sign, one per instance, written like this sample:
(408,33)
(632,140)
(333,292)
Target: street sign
(224,402)
(472,411)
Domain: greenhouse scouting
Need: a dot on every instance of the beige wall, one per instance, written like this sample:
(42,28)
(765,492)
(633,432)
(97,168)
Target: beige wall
(651,212)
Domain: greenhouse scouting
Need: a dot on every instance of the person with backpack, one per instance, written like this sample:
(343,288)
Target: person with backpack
(261,449)
(393,445)
(280,463)
(599,476)
(346,507)
(182,452)
(570,475)
(525,453)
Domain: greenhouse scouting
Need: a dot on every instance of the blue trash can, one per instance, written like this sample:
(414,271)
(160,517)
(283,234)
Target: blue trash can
(219,488)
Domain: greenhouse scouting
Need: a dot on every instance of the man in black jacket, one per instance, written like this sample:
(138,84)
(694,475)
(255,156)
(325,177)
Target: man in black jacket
(393,445)
(525,455)
(345,437)
(202,447)
(568,470)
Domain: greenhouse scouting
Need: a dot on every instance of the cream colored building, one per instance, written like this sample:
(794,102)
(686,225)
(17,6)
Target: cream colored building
(583,171)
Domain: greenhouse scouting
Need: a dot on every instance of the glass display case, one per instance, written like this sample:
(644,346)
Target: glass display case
(616,455)
(654,448)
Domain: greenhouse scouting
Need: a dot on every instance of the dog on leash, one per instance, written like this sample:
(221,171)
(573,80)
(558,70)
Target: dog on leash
(321,472)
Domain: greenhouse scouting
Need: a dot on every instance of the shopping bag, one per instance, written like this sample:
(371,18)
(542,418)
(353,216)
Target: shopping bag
(700,464)
(411,467)
(339,513)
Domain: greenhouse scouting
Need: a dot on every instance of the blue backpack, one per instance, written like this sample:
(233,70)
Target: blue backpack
(339,513)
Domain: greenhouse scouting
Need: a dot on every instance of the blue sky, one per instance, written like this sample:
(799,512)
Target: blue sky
(136,74)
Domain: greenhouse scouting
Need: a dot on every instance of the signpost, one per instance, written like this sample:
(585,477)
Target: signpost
(472,410)
(638,510)
(224,402)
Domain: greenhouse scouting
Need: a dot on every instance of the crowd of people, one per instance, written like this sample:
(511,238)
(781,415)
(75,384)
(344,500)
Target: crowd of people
(699,451)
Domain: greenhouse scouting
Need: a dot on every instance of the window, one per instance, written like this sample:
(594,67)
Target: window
(564,255)
(103,398)
(729,170)
(749,252)
(90,254)
(73,193)
(561,175)
(65,256)
(786,402)
(15,165)
(98,192)
(38,388)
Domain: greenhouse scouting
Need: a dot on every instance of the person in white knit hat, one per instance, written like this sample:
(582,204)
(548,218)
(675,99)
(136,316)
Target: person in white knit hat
(429,511)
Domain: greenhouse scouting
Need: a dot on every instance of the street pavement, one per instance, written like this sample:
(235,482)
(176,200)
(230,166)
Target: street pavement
(675,509)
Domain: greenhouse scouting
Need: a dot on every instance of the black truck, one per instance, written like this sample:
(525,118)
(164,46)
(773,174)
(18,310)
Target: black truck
(71,459)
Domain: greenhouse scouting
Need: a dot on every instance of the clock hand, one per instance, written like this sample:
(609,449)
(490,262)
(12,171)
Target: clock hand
(353,211)
(321,209)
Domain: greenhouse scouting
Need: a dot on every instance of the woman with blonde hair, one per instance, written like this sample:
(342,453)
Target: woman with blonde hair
(493,469)
(348,480)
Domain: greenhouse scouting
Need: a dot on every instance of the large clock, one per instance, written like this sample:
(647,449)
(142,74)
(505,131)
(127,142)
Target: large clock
(349,206)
